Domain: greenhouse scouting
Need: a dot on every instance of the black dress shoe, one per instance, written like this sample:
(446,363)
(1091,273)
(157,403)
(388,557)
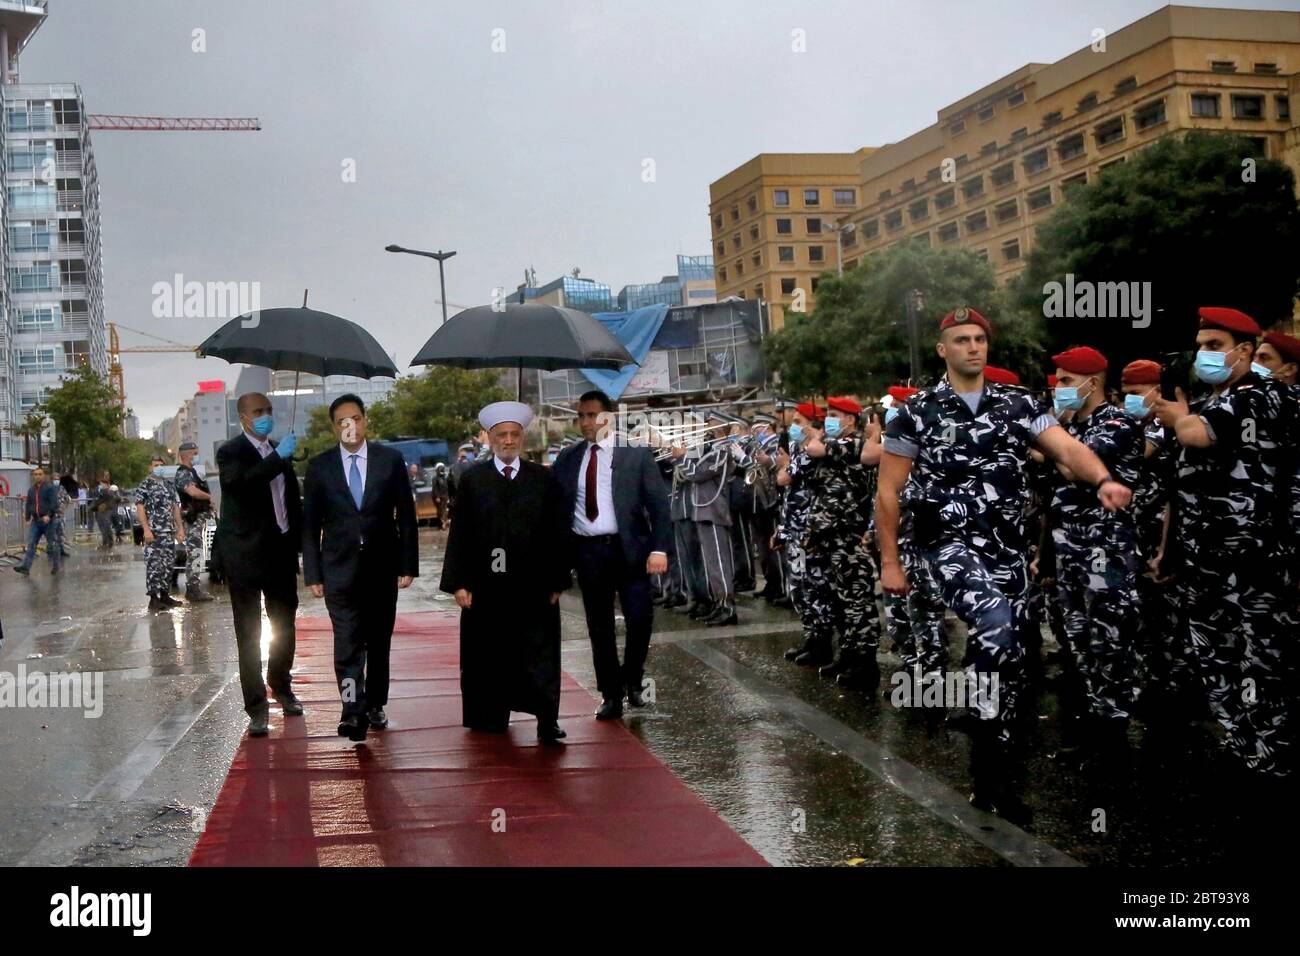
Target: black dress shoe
(377,717)
(551,735)
(792,652)
(610,710)
(699,611)
(170,601)
(860,677)
(722,618)
(157,605)
(813,657)
(354,727)
(636,698)
(258,725)
(21,570)
(783,602)
(675,602)
(290,704)
(833,669)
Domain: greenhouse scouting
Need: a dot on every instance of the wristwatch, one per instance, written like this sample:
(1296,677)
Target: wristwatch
(1105,478)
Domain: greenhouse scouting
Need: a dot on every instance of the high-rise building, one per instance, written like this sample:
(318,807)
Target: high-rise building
(772,225)
(51,291)
(692,285)
(997,162)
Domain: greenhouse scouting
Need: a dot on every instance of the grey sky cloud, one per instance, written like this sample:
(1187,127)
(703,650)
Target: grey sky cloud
(532,156)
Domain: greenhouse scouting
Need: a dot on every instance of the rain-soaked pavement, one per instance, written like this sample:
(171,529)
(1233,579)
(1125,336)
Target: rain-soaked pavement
(807,773)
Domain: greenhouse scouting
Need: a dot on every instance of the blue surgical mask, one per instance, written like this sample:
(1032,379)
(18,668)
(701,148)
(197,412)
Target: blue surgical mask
(833,427)
(1066,399)
(264,425)
(1212,367)
(158,471)
(1261,370)
(796,432)
(1135,406)
(890,415)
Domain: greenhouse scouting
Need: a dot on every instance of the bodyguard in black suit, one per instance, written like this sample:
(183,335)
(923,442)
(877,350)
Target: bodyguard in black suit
(358,548)
(258,536)
(621,533)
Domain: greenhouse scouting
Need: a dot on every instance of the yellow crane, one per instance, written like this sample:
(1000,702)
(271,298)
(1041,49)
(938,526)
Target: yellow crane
(115,350)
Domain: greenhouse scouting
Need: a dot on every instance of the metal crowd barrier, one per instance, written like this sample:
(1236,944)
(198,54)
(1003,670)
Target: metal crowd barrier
(13,537)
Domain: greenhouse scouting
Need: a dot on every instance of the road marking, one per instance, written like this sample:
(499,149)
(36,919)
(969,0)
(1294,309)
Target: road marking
(1006,840)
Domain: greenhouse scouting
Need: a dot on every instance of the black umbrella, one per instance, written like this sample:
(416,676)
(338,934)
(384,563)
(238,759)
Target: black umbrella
(300,340)
(523,336)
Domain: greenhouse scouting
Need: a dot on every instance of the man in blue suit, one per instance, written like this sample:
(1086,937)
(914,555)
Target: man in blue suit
(621,534)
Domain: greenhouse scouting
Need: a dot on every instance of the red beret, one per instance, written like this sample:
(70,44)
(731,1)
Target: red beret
(810,411)
(1287,346)
(1081,361)
(1000,376)
(901,393)
(846,405)
(1213,317)
(1141,372)
(962,316)
(1051,381)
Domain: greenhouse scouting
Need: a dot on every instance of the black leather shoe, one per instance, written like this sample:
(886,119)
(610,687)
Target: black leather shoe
(813,657)
(21,570)
(377,717)
(792,652)
(610,710)
(258,725)
(170,601)
(832,670)
(636,698)
(354,727)
(675,602)
(551,735)
(699,611)
(722,618)
(290,704)
(862,677)
(157,605)
(197,595)
(783,602)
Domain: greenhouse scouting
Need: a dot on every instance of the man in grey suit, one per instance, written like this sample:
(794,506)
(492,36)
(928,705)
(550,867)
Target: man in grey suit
(621,534)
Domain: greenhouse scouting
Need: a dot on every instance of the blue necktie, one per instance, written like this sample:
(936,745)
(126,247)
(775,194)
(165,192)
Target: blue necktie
(354,482)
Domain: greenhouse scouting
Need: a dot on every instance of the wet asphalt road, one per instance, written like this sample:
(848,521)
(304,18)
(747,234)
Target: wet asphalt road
(807,773)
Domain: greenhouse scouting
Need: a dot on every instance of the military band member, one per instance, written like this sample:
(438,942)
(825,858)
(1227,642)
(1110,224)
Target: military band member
(706,474)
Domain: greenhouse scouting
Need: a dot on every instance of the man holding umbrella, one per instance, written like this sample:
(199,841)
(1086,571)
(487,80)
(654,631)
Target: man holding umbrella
(258,538)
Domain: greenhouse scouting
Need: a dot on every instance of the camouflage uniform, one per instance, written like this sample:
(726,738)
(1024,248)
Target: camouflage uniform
(839,579)
(195,515)
(790,532)
(914,620)
(966,494)
(1235,525)
(1097,565)
(158,496)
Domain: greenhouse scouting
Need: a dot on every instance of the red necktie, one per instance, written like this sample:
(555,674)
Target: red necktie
(507,470)
(592,508)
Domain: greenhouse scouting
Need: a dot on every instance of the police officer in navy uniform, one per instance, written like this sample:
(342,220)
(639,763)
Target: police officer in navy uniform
(963,445)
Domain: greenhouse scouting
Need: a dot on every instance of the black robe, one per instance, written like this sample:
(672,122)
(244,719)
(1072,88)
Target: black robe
(508,547)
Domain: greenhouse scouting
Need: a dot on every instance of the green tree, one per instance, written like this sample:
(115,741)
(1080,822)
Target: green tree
(320,437)
(32,428)
(84,409)
(856,338)
(125,459)
(1198,217)
(439,403)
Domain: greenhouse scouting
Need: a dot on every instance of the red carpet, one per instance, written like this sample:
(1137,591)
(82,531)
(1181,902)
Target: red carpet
(426,792)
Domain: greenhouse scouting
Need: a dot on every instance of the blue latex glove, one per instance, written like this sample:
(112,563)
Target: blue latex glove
(288,444)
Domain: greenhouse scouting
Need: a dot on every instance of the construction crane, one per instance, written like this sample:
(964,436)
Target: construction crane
(190,124)
(115,351)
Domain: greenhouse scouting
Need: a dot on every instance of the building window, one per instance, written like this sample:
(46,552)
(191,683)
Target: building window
(814,227)
(758,292)
(812,197)
(988,149)
(722,247)
(986,114)
(1011,250)
(1111,131)
(1019,134)
(1070,147)
(787,287)
(722,273)
(894,220)
(957,128)
(1051,119)
(1039,199)
(962,160)
(1247,107)
(850,237)
(871,228)
(921,239)
(845,197)
(780,197)
(813,283)
(753,233)
(1078,179)
(932,173)
(1258,145)
(735,240)
(1283,107)
(983,254)
(1036,161)
(740,267)
(752,203)
(977,222)
(909,184)
(1206,105)
(735,214)
(1005,211)
(1114,162)
(1004,174)
(816,254)
(785,253)
(919,210)
(717,221)
(1223,66)
(1267,68)
(1088,102)
(885,194)
(948,232)
(1150,114)
(1016,98)
(783,227)
(973,187)
(852,263)
(946,199)
(1125,85)
(757,259)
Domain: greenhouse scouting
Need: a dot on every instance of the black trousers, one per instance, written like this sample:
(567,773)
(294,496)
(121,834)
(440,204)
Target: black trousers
(281,593)
(363,616)
(602,573)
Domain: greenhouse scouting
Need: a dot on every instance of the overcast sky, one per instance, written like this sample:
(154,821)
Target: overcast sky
(530,156)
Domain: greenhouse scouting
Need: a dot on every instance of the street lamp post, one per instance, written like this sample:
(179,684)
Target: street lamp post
(915,303)
(441,257)
(840,231)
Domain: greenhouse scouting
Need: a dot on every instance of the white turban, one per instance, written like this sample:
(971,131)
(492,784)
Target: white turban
(493,415)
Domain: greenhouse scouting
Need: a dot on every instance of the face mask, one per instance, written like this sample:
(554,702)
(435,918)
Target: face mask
(833,426)
(158,471)
(796,433)
(1261,370)
(890,415)
(1066,399)
(263,425)
(1212,367)
(1135,406)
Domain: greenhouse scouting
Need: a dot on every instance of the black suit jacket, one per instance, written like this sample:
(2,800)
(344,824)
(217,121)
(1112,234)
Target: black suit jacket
(251,548)
(334,527)
(640,500)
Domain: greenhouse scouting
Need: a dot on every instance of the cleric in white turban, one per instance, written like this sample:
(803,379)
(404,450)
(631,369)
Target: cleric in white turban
(505,563)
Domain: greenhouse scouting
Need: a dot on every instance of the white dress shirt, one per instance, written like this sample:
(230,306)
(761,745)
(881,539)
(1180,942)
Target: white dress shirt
(606,522)
(361,463)
(501,466)
(264,448)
